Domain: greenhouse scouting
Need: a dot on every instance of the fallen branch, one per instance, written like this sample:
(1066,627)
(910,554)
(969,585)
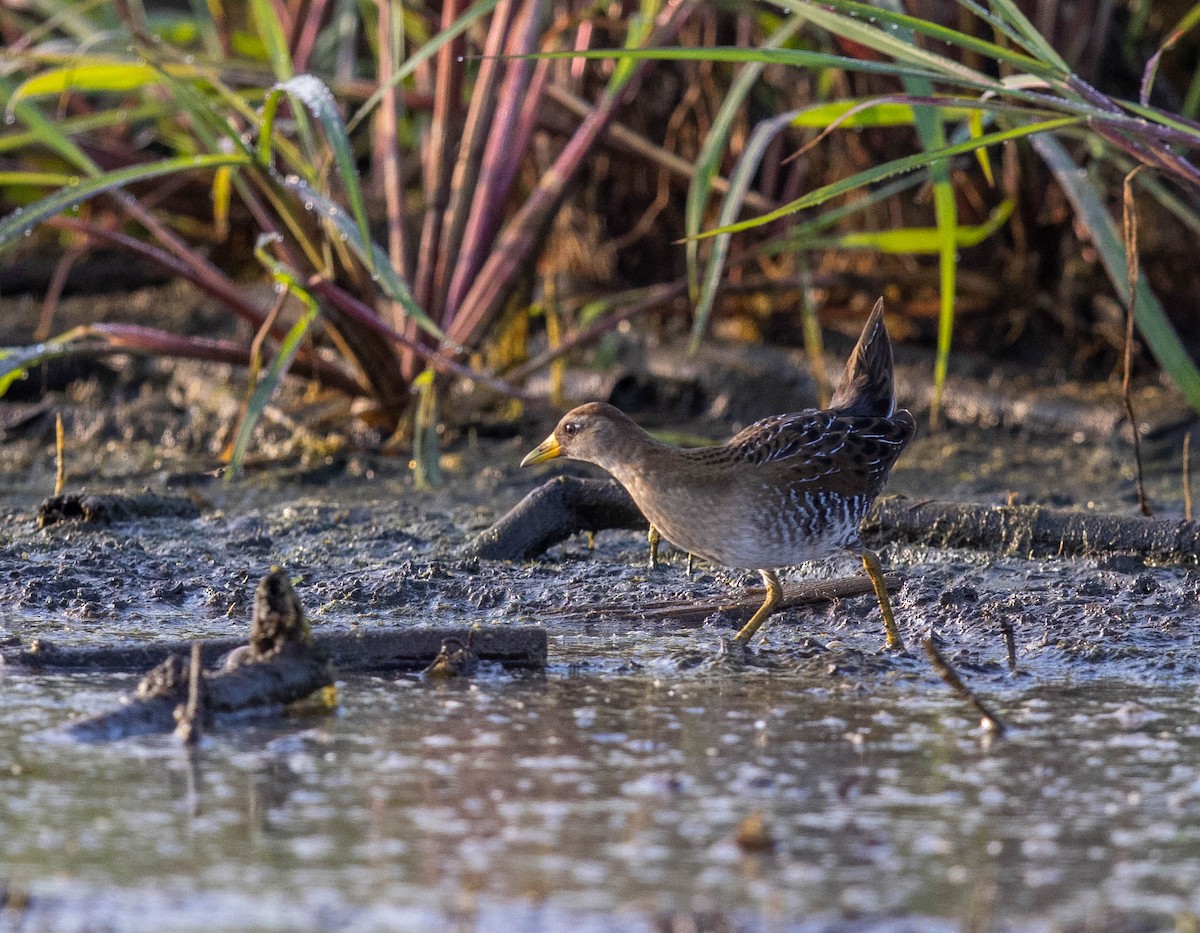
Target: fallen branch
(694,612)
(398,648)
(279,666)
(555,511)
(1026,530)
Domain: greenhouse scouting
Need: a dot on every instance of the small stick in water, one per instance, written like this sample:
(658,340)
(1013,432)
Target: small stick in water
(991,721)
(1010,643)
(190,714)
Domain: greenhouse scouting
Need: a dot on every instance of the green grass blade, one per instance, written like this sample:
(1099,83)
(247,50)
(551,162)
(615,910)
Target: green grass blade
(102,76)
(731,206)
(912,240)
(267,25)
(933,137)
(1151,319)
(861,113)
(798,58)
(709,160)
(368,252)
(886,43)
(268,383)
(1033,39)
(313,93)
(46,132)
(93,121)
(19,221)
(896,167)
(36,179)
(904,26)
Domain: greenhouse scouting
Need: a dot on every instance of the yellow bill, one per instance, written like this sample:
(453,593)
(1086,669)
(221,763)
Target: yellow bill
(546,450)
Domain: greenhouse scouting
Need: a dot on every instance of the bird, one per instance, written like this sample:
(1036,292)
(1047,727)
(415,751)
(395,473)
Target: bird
(788,489)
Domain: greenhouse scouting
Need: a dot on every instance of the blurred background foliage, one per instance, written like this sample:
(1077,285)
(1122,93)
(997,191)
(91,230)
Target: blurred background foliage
(478,192)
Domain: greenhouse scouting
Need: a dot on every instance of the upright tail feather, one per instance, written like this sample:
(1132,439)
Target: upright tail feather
(866,386)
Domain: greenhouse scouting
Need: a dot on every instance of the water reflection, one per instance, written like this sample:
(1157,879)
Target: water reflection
(580,802)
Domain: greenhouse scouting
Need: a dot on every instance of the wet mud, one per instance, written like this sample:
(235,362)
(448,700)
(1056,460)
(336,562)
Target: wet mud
(606,792)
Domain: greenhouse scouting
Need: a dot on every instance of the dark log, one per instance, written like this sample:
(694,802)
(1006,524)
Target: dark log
(553,512)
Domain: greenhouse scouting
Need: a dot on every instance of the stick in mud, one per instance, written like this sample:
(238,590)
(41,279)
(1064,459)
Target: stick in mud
(991,721)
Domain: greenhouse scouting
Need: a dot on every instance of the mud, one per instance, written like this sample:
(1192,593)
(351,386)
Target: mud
(606,792)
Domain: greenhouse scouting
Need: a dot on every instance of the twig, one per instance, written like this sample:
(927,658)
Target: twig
(1129,214)
(188,728)
(1187,476)
(991,721)
(60,464)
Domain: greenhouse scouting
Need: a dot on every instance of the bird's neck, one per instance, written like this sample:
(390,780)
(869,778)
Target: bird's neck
(632,456)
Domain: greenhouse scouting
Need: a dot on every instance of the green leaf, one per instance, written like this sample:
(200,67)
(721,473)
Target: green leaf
(268,383)
(268,28)
(820,116)
(102,76)
(914,240)
(709,159)
(731,206)
(21,220)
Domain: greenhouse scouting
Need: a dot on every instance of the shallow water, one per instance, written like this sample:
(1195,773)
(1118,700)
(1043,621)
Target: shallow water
(579,801)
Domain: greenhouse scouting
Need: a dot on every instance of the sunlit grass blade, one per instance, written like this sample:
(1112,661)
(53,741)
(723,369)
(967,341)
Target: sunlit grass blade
(1092,213)
(15,224)
(889,169)
(102,76)
(313,93)
(912,240)
(861,113)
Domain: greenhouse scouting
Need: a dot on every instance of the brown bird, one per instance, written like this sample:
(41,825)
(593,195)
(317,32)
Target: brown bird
(788,489)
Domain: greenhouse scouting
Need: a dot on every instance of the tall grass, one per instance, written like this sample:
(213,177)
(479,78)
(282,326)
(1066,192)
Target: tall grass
(991,81)
(274,120)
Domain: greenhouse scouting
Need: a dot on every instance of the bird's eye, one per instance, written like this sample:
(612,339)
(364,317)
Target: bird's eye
(571,428)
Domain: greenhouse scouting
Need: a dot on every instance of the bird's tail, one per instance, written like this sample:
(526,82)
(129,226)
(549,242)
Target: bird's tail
(866,386)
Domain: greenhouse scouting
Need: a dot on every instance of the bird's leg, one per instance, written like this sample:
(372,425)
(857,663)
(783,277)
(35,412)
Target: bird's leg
(774,595)
(691,564)
(871,563)
(654,537)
